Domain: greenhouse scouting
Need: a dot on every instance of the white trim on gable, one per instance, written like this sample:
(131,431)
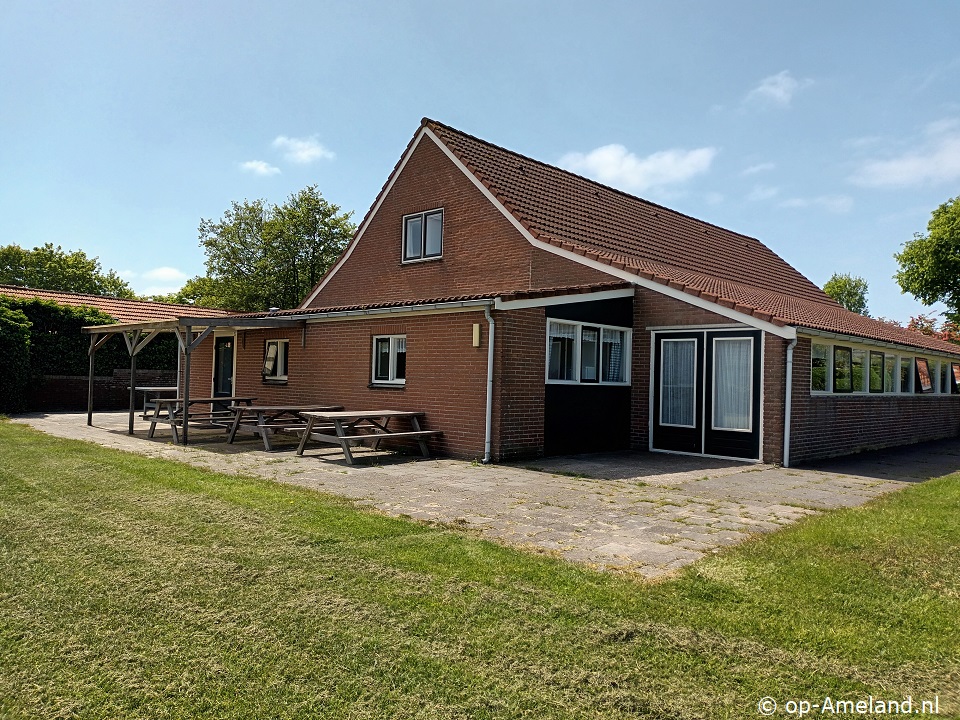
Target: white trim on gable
(786,332)
(500,304)
(363,228)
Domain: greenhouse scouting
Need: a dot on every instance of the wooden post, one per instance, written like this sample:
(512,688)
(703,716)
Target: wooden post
(186,381)
(91,352)
(133,379)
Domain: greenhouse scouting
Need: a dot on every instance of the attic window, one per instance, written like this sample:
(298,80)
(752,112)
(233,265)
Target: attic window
(423,236)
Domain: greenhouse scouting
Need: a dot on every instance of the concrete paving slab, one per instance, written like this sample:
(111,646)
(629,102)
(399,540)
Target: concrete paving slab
(644,513)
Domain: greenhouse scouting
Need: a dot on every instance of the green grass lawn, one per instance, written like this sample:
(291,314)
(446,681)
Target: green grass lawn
(133,587)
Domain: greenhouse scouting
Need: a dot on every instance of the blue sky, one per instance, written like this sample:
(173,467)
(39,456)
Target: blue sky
(828,130)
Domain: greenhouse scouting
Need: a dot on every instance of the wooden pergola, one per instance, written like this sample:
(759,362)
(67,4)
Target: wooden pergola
(190,332)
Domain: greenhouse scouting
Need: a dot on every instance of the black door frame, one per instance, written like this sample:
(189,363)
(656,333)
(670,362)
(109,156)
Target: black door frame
(703,439)
(216,365)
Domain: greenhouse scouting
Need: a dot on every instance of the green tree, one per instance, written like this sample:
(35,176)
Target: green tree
(53,268)
(930,264)
(848,290)
(261,256)
(15,358)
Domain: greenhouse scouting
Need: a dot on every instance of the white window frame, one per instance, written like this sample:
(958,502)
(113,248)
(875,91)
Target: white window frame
(696,374)
(282,359)
(897,356)
(392,378)
(713,379)
(423,237)
(627,353)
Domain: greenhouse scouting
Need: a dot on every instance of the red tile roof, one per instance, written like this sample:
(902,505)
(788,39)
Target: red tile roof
(122,311)
(662,245)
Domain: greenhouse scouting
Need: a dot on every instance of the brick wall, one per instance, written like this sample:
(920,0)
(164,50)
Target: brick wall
(826,426)
(446,375)
(774,383)
(520,364)
(482,251)
(69,392)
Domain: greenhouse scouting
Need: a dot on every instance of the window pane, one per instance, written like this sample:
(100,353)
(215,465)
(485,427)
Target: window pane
(859,370)
(589,354)
(613,356)
(955,385)
(282,357)
(562,345)
(906,375)
(382,355)
(818,369)
(923,372)
(842,375)
(400,344)
(270,359)
(889,373)
(677,382)
(732,384)
(944,377)
(413,239)
(876,372)
(434,235)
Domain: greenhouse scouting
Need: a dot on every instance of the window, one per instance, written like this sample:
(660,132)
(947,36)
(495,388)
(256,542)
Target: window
(923,375)
(423,236)
(678,372)
(562,344)
(390,359)
(944,377)
(732,383)
(275,360)
(906,375)
(876,372)
(889,373)
(859,370)
(842,369)
(586,353)
(955,371)
(818,369)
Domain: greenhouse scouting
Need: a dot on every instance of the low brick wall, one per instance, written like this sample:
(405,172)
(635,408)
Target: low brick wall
(69,392)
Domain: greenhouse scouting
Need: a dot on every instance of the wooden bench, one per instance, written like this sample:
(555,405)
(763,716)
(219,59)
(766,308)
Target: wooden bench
(267,420)
(355,428)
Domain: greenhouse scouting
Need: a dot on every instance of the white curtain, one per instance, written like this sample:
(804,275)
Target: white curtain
(563,337)
(678,382)
(612,355)
(732,383)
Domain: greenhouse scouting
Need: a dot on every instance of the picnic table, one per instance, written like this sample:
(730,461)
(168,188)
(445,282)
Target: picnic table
(151,394)
(174,412)
(346,428)
(266,420)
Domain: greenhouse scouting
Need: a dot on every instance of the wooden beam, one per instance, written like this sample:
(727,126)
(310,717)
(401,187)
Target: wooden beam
(200,338)
(186,384)
(131,345)
(147,339)
(91,352)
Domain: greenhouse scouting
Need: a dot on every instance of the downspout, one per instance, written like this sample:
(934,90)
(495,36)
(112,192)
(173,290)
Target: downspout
(787,402)
(488,427)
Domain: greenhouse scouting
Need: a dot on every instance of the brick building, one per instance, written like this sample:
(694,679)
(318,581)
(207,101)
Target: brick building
(531,311)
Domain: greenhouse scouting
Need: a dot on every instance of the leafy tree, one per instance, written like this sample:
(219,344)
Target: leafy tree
(53,268)
(848,290)
(930,264)
(927,324)
(261,256)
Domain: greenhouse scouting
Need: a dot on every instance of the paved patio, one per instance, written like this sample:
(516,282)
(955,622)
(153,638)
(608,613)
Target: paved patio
(647,513)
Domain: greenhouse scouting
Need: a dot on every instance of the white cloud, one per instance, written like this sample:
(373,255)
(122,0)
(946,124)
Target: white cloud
(759,168)
(616,166)
(713,198)
(832,203)
(935,159)
(259,167)
(302,150)
(165,274)
(777,90)
(762,192)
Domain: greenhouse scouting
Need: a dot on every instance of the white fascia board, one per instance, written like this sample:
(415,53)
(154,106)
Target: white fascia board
(373,212)
(857,340)
(786,332)
(562,299)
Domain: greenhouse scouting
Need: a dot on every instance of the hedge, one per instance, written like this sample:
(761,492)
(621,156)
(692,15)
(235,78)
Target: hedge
(14,359)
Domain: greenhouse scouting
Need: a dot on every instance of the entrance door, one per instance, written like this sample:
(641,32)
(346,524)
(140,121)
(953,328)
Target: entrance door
(223,367)
(706,393)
